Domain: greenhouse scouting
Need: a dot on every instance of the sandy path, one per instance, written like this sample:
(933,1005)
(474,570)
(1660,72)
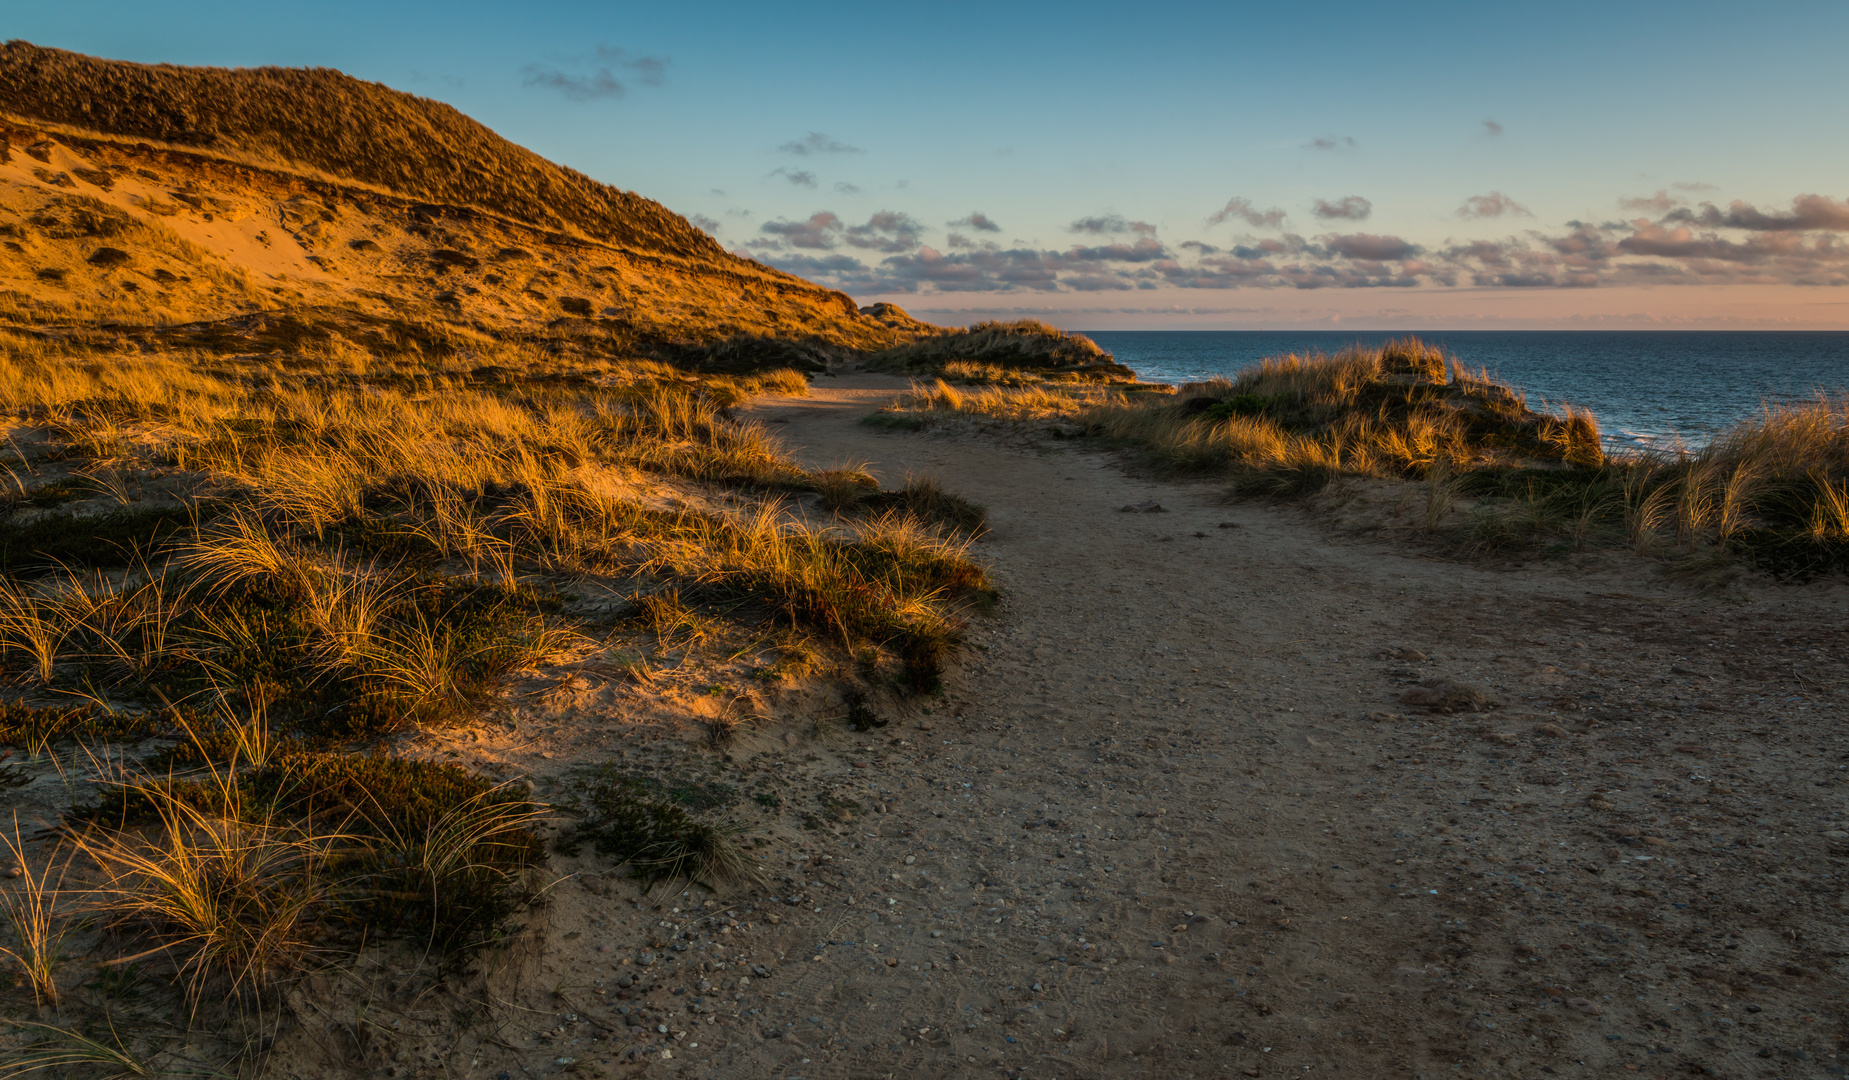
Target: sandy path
(1170,820)
(1166,727)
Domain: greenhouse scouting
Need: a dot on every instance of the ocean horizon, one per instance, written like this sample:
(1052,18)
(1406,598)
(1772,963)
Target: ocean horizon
(1647,387)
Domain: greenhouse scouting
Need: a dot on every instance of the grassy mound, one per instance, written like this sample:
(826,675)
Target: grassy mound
(1291,424)
(999,351)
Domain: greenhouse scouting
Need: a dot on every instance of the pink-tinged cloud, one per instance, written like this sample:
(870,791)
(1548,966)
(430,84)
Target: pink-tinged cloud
(1493,205)
(1242,208)
(820,231)
(1352,208)
(1808,212)
(1371,247)
(1738,246)
(1660,203)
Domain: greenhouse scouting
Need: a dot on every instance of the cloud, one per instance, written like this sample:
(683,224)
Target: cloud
(591,78)
(1331,142)
(1242,208)
(798,177)
(1693,185)
(1808,212)
(704,222)
(1685,248)
(1492,128)
(820,231)
(1808,244)
(1352,208)
(1660,203)
(846,188)
(886,231)
(1111,224)
(817,143)
(977,220)
(1371,247)
(1493,205)
(1144,250)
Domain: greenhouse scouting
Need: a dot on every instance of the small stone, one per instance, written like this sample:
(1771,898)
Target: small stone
(910,859)
(625,980)
(937,933)
(1504,738)
(1552,731)
(1655,841)
(1579,1004)
(1596,803)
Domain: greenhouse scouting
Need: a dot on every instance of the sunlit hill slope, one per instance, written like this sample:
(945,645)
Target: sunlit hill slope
(153,196)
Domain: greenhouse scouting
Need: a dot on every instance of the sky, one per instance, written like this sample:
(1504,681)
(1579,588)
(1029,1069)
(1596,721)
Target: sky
(1156,165)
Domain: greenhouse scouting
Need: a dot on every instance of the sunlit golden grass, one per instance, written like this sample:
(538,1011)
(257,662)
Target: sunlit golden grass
(1774,489)
(494,480)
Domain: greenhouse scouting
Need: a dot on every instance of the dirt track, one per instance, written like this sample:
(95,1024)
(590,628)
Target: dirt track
(1171,820)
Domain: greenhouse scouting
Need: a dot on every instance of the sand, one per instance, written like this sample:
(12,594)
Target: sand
(1171,819)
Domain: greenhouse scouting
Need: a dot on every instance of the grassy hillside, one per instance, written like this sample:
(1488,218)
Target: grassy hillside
(150,196)
(341,126)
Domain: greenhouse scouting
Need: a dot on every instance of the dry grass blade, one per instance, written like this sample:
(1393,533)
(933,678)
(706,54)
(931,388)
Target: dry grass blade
(30,908)
(65,1048)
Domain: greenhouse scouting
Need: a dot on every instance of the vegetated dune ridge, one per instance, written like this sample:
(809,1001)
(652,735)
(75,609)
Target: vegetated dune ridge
(156,194)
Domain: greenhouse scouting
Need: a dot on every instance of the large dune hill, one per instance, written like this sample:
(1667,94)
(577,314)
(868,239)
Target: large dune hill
(159,195)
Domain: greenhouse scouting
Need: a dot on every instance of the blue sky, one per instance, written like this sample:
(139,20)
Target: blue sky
(1419,165)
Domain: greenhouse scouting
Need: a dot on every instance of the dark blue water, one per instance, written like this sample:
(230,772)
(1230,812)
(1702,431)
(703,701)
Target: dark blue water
(1645,386)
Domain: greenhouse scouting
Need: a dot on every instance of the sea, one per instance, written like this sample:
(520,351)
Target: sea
(1647,387)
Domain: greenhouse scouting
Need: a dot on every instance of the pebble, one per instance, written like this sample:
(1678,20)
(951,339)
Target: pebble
(1579,1004)
(910,859)
(1552,731)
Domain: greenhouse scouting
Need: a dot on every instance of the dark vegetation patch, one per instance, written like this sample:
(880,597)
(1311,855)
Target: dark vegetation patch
(114,538)
(640,823)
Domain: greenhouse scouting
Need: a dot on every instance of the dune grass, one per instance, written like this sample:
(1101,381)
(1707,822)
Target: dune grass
(301,553)
(1006,353)
(1497,475)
